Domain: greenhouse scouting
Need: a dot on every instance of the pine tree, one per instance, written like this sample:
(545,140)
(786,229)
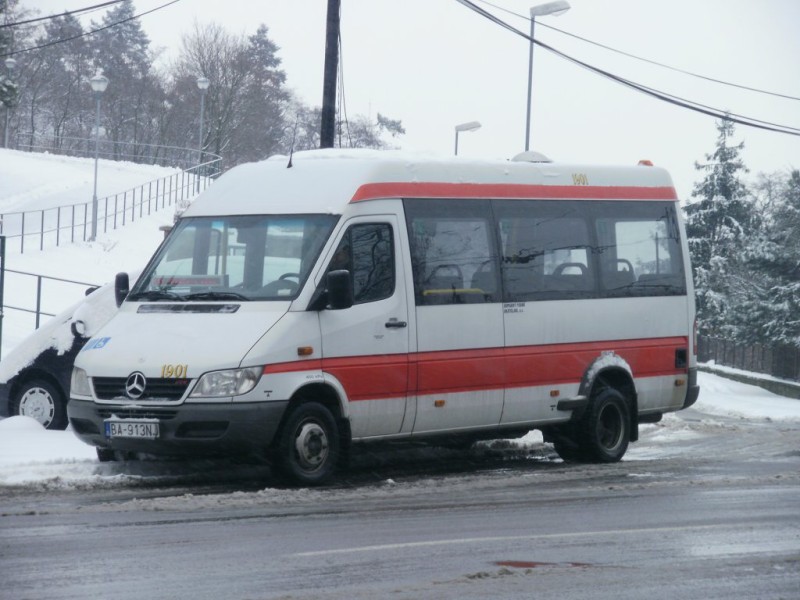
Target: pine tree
(8,89)
(122,52)
(771,312)
(716,226)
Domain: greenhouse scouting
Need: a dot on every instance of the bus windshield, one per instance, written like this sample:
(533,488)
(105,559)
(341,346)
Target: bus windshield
(250,257)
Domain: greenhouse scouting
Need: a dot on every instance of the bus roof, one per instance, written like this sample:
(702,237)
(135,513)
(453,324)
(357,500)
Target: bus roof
(326,181)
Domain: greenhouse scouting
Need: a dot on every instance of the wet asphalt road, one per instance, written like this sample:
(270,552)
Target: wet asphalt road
(702,507)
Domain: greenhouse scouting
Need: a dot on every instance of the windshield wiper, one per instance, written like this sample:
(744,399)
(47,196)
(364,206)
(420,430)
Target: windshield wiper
(155,295)
(215,296)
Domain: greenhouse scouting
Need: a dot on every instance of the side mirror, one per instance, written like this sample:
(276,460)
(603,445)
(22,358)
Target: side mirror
(121,288)
(340,290)
(78,329)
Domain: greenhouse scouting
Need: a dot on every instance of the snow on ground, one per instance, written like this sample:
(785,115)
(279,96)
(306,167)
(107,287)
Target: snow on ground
(33,456)
(67,181)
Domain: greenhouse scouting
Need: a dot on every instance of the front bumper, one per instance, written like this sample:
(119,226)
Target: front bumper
(186,429)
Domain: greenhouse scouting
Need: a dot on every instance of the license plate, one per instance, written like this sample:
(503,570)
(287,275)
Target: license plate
(141,429)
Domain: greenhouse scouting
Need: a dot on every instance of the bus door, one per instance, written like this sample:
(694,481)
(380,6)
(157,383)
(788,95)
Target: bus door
(366,346)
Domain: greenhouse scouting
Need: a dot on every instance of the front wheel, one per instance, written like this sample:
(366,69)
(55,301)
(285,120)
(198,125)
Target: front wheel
(42,401)
(308,445)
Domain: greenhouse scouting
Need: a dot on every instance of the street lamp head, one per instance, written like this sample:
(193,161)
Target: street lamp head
(471,126)
(559,7)
(11,63)
(202,83)
(99,82)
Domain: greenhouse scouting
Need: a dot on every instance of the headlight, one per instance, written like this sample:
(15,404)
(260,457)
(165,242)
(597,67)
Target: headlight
(233,382)
(79,383)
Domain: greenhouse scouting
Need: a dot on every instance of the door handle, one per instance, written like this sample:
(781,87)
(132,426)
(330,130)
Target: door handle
(395,324)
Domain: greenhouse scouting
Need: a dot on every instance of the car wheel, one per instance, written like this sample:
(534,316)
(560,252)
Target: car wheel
(604,432)
(42,401)
(308,445)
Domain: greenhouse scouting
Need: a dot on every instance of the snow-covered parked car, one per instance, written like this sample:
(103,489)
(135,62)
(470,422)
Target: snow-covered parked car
(35,376)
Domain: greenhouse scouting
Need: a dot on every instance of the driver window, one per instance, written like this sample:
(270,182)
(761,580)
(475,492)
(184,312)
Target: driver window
(367,251)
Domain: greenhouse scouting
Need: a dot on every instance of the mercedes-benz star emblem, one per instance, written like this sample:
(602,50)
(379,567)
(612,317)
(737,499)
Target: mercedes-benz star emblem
(135,385)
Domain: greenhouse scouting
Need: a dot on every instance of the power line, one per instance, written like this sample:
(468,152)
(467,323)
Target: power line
(77,11)
(87,33)
(676,100)
(647,60)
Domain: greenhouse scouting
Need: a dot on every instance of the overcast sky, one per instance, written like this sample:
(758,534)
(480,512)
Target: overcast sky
(434,64)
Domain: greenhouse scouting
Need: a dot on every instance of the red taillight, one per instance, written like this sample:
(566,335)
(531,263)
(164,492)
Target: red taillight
(694,338)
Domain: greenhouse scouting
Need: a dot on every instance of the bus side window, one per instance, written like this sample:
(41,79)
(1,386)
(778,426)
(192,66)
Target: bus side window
(547,250)
(452,252)
(643,255)
(367,251)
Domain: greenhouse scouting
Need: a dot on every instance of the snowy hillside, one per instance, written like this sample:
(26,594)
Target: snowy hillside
(39,181)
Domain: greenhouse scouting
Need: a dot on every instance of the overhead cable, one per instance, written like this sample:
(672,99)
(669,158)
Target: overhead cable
(682,102)
(647,60)
(77,11)
(87,33)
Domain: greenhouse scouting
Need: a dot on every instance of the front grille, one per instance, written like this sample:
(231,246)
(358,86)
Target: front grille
(137,413)
(110,388)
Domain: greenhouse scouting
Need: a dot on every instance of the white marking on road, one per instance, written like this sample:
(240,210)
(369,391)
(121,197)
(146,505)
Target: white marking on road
(512,538)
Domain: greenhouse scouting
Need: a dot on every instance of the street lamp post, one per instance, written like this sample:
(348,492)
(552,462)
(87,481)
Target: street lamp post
(559,7)
(11,64)
(99,84)
(202,85)
(471,126)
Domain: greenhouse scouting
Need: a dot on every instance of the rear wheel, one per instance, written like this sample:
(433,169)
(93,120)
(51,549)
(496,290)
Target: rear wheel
(42,401)
(604,431)
(308,445)
(602,434)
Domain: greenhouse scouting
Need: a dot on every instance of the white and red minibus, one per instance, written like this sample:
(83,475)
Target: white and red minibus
(301,308)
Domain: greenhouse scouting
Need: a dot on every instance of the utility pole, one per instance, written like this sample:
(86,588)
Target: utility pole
(328,127)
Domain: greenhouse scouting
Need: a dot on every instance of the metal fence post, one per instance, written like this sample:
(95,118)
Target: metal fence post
(38,298)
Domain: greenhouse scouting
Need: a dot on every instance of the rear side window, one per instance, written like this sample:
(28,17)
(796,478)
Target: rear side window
(641,251)
(561,250)
(453,251)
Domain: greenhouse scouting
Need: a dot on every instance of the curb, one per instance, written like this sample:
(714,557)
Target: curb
(782,388)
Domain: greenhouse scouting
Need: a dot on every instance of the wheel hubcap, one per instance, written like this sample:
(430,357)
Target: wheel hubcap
(311,445)
(38,404)
(609,428)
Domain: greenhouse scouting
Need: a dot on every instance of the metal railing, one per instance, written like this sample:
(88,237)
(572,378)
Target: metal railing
(39,279)
(73,222)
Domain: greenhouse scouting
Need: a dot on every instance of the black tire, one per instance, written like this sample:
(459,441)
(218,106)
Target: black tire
(308,445)
(604,431)
(43,401)
(106,455)
(568,450)
(109,455)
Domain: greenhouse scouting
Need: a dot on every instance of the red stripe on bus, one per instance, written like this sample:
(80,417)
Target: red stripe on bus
(420,189)
(456,371)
